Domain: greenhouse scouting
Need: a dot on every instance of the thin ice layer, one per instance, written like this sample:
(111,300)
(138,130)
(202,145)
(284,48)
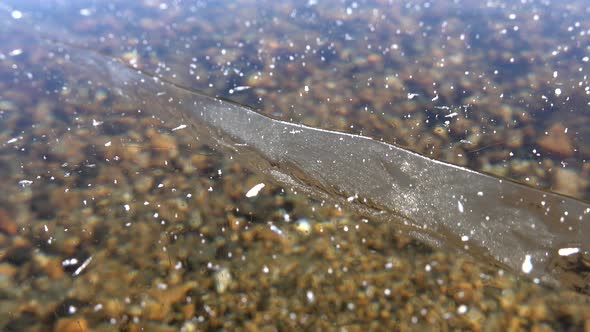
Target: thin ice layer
(511,224)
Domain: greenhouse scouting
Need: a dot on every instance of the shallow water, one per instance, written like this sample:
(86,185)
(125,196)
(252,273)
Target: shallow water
(113,219)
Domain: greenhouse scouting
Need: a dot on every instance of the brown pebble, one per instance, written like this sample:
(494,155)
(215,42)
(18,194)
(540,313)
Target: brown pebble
(188,310)
(7,223)
(557,142)
(71,325)
(174,294)
(50,265)
(568,182)
(539,311)
(163,143)
(153,310)
(113,308)
(8,270)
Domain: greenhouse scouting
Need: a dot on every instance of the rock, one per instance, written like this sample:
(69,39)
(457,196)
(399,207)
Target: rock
(163,143)
(71,325)
(7,223)
(568,182)
(557,141)
(223,280)
(49,265)
(303,226)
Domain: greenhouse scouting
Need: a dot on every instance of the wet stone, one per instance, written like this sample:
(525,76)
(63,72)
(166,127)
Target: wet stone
(557,141)
(223,280)
(7,223)
(71,325)
(568,182)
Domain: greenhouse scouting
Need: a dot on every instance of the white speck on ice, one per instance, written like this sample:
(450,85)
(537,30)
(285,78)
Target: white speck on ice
(568,251)
(558,92)
(25,183)
(277,230)
(527,265)
(82,267)
(412,95)
(454,114)
(17,14)
(12,140)
(15,52)
(127,207)
(85,12)
(460,206)
(255,190)
(182,126)
(108,143)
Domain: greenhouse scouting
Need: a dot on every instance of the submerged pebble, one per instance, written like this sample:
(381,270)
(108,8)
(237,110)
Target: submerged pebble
(223,280)
(303,226)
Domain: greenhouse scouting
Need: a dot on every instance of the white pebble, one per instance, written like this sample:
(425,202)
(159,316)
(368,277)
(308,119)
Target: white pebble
(303,226)
(222,280)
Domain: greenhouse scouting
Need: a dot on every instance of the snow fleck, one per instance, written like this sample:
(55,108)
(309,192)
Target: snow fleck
(85,12)
(82,267)
(182,126)
(17,14)
(277,230)
(527,265)
(462,309)
(310,296)
(15,52)
(568,251)
(557,92)
(24,183)
(255,190)
(460,207)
